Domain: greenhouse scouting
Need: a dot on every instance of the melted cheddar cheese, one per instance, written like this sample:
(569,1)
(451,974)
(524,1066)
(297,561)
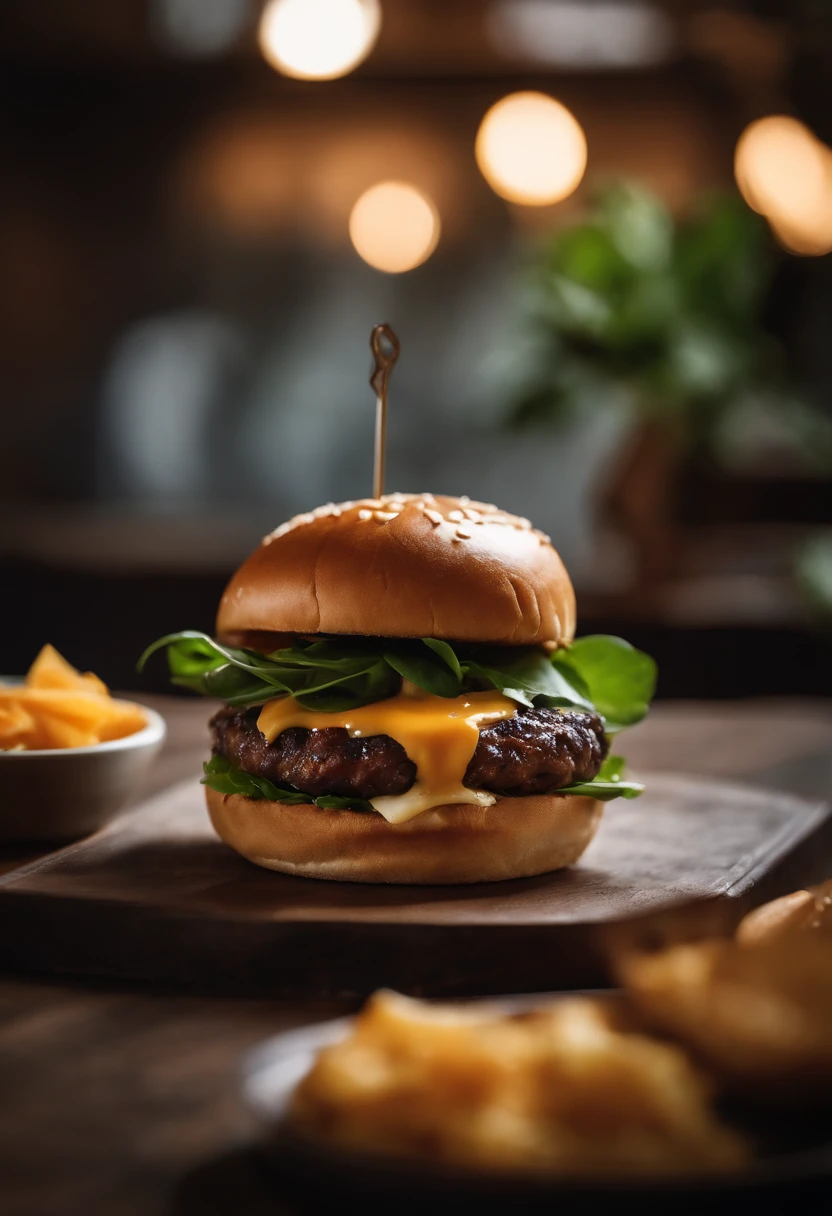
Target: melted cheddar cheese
(439,734)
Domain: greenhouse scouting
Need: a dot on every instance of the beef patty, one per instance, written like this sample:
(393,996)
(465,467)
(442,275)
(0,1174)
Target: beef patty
(535,752)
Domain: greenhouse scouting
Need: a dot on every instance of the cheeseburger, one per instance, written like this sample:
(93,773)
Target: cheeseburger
(404,700)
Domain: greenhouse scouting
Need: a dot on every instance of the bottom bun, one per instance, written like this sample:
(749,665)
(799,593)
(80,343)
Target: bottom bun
(513,838)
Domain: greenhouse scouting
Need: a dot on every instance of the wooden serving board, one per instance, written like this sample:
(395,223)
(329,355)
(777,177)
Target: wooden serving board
(157,897)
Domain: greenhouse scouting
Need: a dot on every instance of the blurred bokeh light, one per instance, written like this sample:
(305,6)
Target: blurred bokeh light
(318,39)
(200,28)
(531,150)
(785,173)
(394,227)
(574,34)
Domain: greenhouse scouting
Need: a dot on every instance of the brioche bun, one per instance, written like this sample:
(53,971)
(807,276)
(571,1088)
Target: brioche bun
(513,838)
(405,566)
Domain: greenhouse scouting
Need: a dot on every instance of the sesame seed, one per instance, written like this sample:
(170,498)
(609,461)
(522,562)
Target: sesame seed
(364,515)
(462,534)
(456,516)
(434,516)
(464,499)
(384,517)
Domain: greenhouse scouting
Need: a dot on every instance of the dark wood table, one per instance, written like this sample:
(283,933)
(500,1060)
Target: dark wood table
(124,1102)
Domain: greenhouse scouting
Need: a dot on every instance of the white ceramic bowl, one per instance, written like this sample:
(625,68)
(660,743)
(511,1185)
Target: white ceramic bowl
(64,793)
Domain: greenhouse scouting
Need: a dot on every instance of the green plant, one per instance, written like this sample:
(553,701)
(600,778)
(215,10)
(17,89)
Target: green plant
(631,305)
(813,570)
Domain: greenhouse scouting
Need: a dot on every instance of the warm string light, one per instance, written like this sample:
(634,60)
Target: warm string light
(785,172)
(531,149)
(318,39)
(394,227)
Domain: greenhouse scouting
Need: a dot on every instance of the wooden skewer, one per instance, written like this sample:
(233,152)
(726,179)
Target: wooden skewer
(385,347)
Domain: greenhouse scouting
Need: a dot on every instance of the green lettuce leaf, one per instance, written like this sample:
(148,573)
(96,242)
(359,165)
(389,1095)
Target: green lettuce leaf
(619,680)
(608,784)
(427,663)
(327,676)
(226,778)
(527,675)
(331,674)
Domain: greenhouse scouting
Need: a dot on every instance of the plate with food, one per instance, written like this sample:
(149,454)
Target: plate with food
(707,1074)
(71,754)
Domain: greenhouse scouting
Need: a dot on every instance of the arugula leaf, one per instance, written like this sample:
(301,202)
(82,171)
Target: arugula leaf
(376,684)
(332,802)
(331,674)
(325,676)
(604,791)
(527,675)
(224,777)
(612,769)
(446,652)
(619,679)
(608,784)
(430,665)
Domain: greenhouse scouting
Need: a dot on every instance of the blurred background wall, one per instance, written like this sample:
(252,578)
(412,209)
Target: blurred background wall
(614,317)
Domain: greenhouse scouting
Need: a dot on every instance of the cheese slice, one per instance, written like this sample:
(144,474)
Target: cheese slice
(439,734)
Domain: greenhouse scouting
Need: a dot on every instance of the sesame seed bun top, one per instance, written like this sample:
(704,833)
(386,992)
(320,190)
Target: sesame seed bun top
(404,565)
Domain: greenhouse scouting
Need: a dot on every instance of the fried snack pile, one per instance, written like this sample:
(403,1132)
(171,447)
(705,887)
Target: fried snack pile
(58,707)
(796,913)
(758,1015)
(560,1091)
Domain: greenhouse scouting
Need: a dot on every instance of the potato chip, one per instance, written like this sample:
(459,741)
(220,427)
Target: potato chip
(17,725)
(562,1091)
(51,670)
(127,719)
(57,707)
(56,732)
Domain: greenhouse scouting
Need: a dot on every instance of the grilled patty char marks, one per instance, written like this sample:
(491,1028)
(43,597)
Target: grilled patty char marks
(537,751)
(318,762)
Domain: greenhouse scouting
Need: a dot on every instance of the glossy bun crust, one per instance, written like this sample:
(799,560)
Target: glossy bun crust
(514,838)
(406,565)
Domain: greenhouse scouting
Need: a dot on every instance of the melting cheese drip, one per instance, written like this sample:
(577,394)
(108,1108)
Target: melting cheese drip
(439,734)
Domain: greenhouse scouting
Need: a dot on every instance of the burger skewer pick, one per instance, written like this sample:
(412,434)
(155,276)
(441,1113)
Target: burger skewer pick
(385,360)
(404,699)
